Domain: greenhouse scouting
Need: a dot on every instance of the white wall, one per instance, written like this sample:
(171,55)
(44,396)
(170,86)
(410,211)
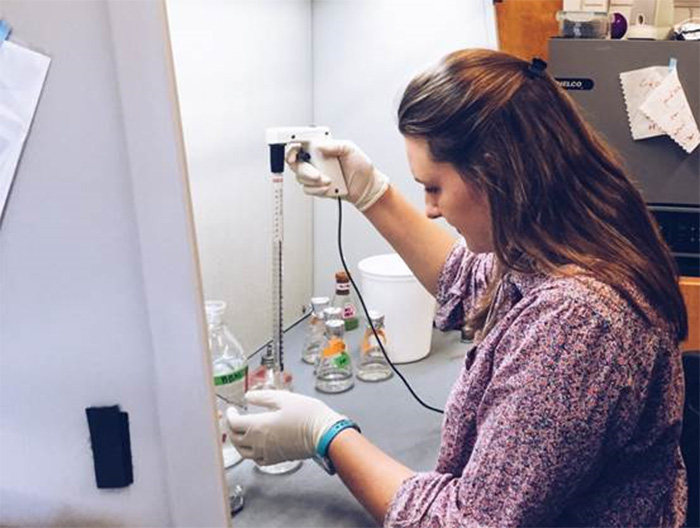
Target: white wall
(99,297)
(365,51)
(243,66)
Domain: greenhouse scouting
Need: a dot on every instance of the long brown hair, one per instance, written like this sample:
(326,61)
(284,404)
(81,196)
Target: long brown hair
(559,195)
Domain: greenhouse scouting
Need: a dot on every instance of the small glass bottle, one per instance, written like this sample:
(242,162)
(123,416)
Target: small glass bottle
(373,365)
(236,496)
(334,369)
(271,379)
(466,335)
(345,300)
(329,314)
(315,332)
(230,369)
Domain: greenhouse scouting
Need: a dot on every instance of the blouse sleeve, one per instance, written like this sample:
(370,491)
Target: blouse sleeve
(542,426)
(461,282)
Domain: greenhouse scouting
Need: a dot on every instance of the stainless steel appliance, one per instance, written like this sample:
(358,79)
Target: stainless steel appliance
(667,176)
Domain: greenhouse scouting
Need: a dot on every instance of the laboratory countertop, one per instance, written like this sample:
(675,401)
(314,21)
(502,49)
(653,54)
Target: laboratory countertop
(389,417)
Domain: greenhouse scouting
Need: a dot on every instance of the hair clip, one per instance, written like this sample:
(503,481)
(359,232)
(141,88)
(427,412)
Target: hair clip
(536,68)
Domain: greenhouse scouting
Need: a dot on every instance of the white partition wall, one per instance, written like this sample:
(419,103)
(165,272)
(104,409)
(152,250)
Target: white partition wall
(243,66)
(100,301)
(365,51)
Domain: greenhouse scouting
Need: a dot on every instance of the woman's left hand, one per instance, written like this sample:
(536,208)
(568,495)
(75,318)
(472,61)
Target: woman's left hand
(291,430)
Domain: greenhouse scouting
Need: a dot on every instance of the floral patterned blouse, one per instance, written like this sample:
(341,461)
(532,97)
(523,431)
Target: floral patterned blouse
(568,413)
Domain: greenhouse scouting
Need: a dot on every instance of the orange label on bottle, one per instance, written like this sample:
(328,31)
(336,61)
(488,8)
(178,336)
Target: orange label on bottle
(369,342)
(335,346)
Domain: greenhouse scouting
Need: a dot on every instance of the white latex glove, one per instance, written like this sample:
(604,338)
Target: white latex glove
(364,182)
(290,431)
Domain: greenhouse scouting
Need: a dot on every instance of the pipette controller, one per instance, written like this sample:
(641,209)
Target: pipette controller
(310,138)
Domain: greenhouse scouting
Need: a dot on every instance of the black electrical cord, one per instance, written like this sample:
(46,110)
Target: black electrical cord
(369,319)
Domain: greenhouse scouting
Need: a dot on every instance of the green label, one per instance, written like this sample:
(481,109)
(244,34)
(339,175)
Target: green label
(237,375)
(342,360)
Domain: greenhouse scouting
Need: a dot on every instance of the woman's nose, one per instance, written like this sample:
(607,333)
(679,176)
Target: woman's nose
(432,211)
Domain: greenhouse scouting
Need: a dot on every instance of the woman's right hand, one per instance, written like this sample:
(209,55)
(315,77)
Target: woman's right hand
(364,182)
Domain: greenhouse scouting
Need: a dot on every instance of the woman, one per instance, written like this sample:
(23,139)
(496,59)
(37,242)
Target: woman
(569,410)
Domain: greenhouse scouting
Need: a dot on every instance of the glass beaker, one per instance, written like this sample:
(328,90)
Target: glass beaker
(271,380)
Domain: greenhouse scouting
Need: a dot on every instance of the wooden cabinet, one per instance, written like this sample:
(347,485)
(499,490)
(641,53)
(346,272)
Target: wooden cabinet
(525,26)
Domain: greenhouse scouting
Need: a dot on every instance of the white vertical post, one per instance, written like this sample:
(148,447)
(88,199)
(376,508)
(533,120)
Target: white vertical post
(195,482)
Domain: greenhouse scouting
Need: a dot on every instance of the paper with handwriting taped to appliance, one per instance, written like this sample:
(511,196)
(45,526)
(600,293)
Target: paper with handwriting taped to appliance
(657,106)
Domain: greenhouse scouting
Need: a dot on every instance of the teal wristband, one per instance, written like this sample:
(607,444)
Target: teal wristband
(325,441)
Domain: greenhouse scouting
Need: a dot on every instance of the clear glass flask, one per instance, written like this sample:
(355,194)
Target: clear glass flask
(373,365)
(315,331)
(334,370)
(345,300)
(329,314)
(272,380)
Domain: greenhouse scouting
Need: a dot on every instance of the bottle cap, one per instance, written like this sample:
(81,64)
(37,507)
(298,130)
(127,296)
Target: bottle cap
(318,304)
(376,317)
(335,328)
(341,276)
(333,313)
(214,310)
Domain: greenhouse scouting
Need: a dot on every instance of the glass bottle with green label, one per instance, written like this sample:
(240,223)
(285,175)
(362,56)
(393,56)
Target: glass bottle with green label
(334,370)
(229,362)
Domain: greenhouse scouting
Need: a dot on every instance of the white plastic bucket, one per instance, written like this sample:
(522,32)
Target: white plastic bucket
(390,287)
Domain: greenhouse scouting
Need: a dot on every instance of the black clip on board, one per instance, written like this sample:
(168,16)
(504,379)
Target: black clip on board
(111,446)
